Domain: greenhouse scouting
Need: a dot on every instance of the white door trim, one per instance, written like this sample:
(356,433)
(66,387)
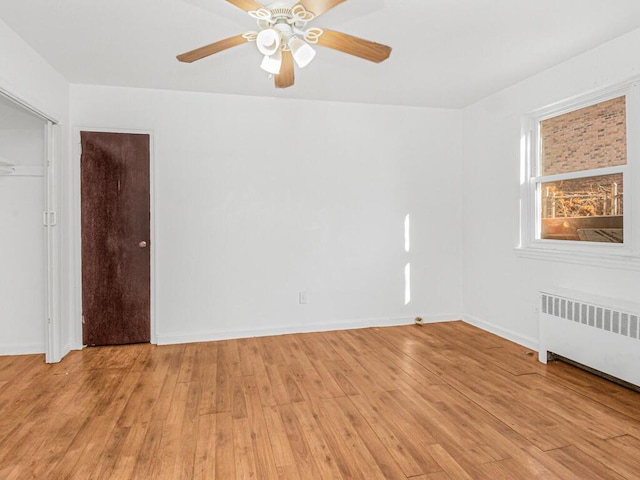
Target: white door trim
(53,351)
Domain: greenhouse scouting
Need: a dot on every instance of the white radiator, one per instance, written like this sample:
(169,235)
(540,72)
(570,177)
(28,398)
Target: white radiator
(600,333)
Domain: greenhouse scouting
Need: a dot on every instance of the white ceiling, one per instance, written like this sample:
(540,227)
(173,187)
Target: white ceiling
(446,53)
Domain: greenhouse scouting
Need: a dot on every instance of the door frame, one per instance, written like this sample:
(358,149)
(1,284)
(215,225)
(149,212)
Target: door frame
(52,252)
(77,230)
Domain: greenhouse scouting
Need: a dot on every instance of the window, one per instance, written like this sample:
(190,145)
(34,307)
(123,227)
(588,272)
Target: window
(578,202)
(576,159)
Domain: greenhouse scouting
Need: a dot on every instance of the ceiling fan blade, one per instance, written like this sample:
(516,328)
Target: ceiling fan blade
(246,5)
(318,7)
(286,76)
(216,47)
(374,52)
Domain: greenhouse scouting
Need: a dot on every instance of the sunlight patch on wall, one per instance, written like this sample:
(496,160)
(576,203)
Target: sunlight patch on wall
(407,284)
(407,233)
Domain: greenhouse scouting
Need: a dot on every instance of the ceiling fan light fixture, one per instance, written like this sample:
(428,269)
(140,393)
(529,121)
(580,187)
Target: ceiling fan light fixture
(302,52)
(269,41)
(284,40)
(272,63)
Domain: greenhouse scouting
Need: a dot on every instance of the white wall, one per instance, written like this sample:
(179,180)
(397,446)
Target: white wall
(26,76)
(259,199)
(500,290)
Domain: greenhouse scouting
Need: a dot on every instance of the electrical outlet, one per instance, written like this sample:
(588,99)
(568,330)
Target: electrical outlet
(302,298)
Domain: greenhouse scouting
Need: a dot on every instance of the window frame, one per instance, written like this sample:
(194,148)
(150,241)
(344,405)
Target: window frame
(624,255)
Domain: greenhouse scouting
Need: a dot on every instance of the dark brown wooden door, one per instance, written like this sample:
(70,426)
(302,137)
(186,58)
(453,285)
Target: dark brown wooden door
(115,238)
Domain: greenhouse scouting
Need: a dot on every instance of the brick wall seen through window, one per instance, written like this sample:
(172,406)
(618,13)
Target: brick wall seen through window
(586,208)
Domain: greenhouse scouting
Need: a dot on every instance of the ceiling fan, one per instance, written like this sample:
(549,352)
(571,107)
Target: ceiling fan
(284,38)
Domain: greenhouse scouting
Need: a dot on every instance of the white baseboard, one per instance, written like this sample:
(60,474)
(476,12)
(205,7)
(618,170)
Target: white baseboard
(213,336)
(66,350)
(25,349)
(528,342)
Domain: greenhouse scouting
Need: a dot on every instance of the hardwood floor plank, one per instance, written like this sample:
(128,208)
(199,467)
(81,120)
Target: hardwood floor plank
(149,452)
(381,455)
(388,434)
(242,449)
(167,458)
(317,347)
(162,406)
(290,383)
(127,456)
(233,357)
(302,452)
(223,379)
(330,464)
(205,457)
(570,463)
(571,406)
(260,439)
(15,366)
(266,393)
(603,391)
(280,446)
(271,351)
(447,462)
(454,423)
(107,460)
(278,389)
(293,353)
(66,467)
(178,404)
(238,401)
(433,476)
(188,366)
(208,404)
(340,373)
(437,402)
(620,454)
(189,433)
(225,457)
(337,427)
(330,385)
(289,472)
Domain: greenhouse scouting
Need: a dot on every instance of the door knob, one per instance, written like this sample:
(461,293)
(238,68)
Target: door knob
(142,244)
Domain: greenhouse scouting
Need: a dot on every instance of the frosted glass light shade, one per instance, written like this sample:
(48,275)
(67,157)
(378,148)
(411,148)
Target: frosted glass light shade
(268,41)
(272,63)
(302,51)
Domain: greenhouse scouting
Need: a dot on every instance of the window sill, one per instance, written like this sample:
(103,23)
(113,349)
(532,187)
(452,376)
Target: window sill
(620,261)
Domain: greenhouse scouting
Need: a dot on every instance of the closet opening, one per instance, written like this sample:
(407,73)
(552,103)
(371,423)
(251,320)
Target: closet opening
(28,218)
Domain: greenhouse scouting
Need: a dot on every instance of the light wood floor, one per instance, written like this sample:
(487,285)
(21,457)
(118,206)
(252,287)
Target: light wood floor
(443,401)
